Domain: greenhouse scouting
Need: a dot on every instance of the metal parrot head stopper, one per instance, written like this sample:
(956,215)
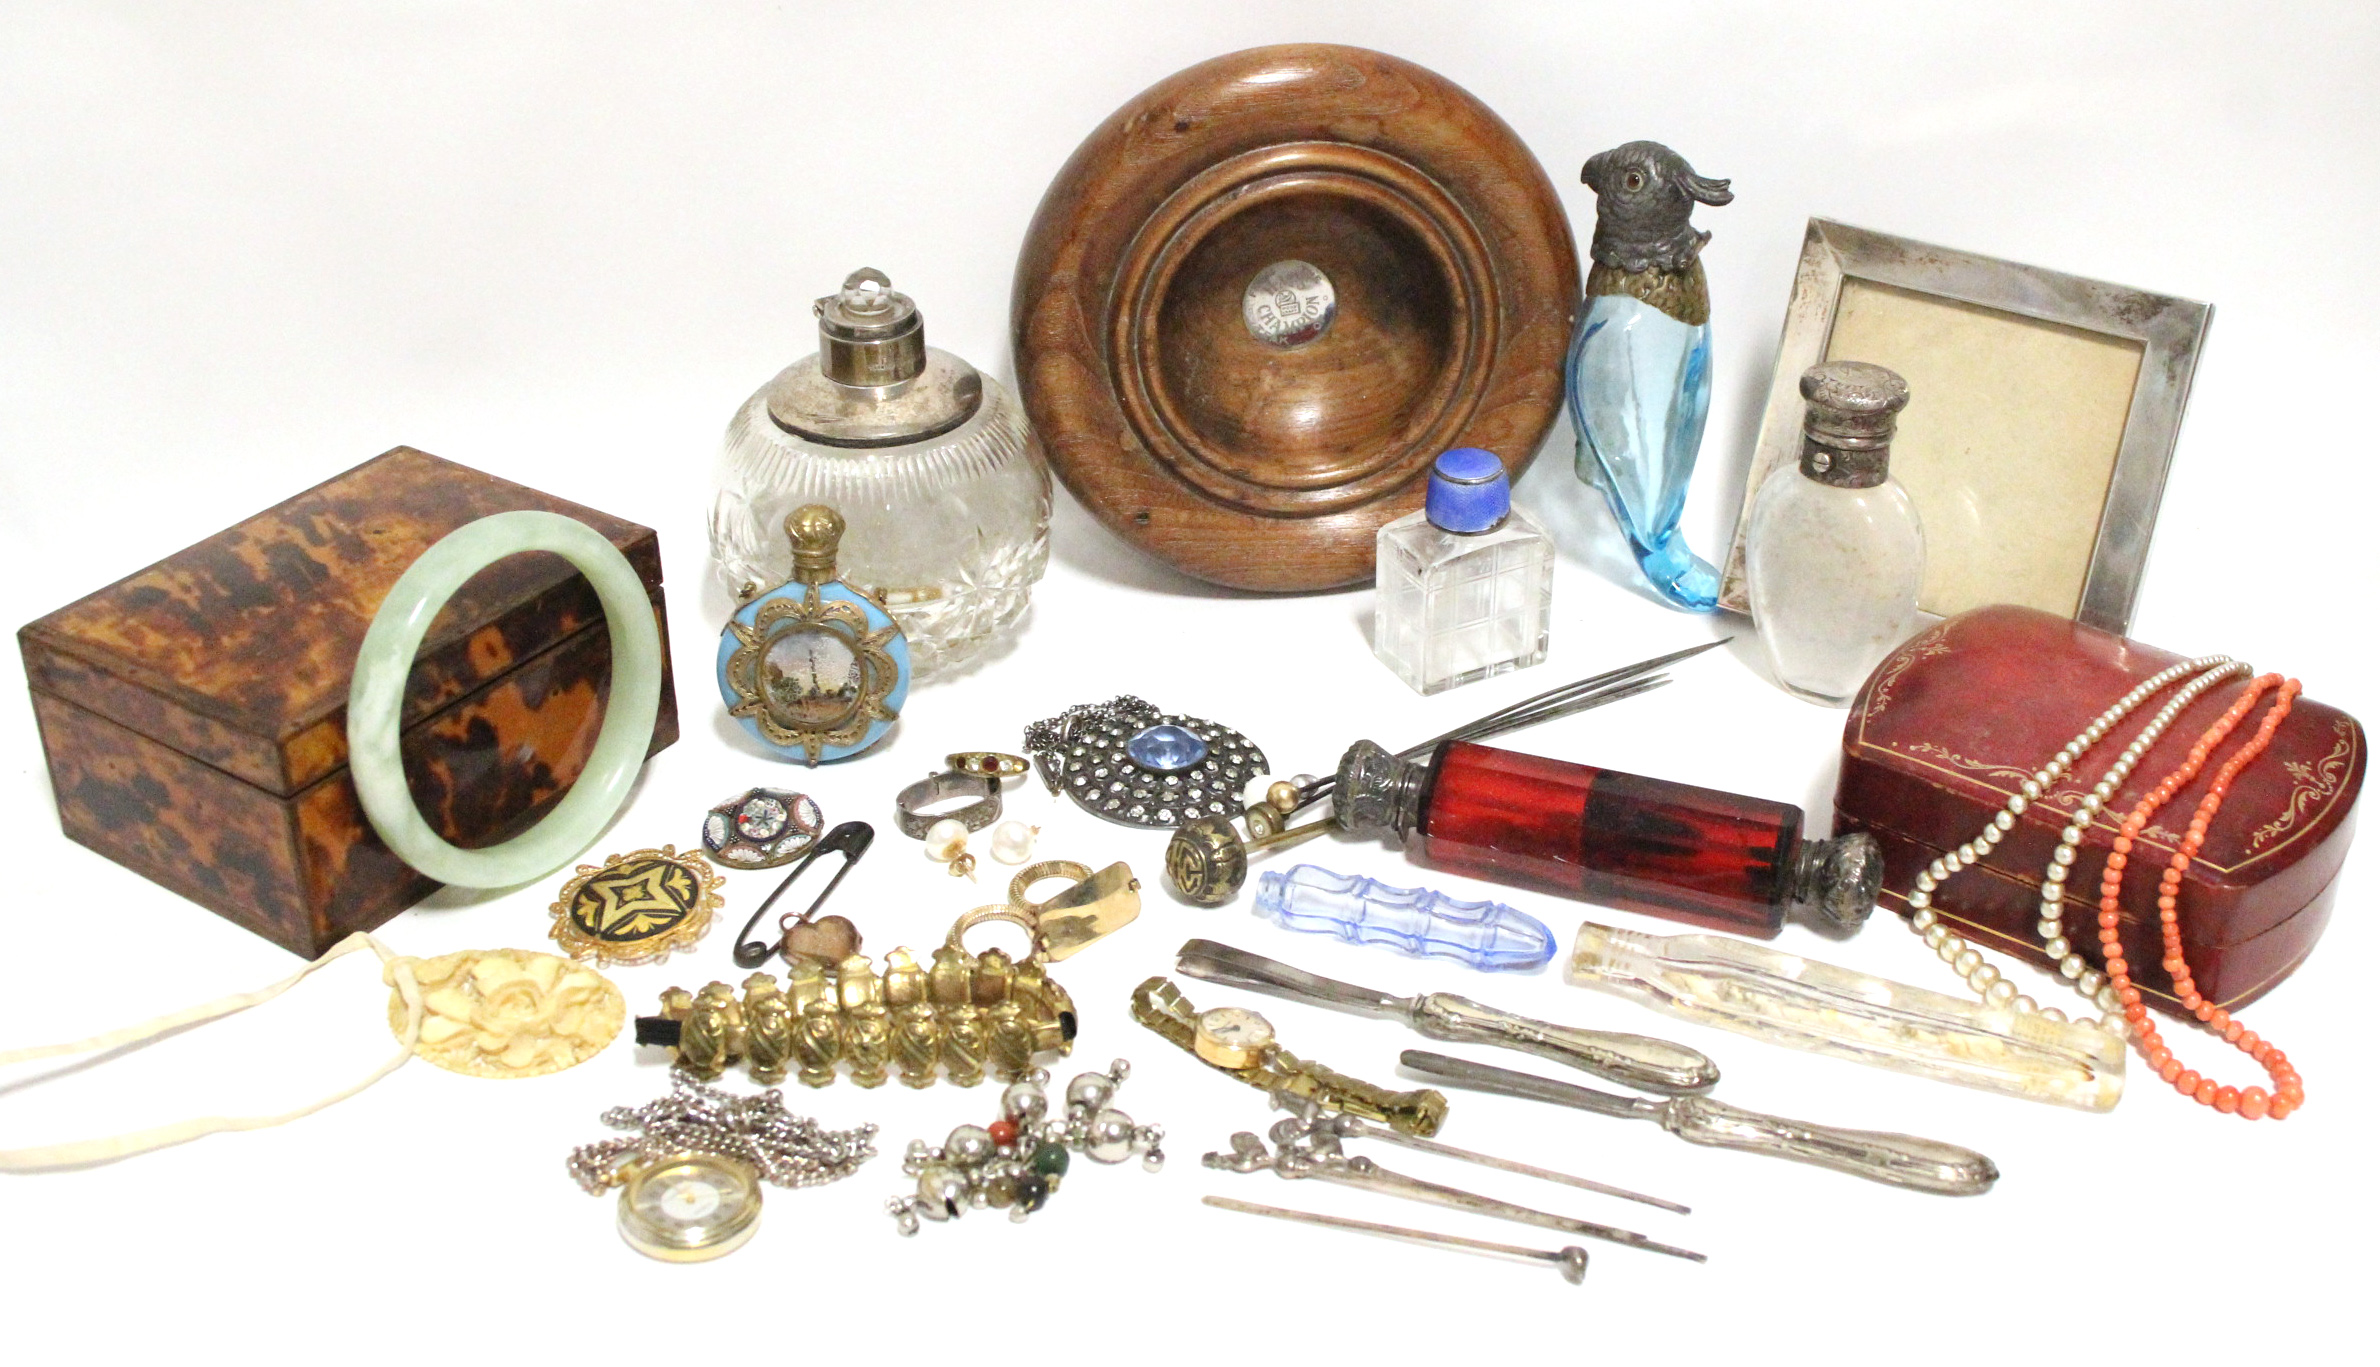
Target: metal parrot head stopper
(1644,196)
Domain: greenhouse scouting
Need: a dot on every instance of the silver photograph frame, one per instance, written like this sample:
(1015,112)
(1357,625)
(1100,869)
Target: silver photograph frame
(2169,331)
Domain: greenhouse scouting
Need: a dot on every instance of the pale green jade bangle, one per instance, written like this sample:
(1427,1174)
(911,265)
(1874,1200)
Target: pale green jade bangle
(376,699)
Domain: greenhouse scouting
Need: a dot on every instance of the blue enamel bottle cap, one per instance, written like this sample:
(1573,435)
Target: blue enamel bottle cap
(1469,491)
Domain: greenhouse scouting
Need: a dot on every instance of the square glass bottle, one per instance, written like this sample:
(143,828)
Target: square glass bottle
(1466,584)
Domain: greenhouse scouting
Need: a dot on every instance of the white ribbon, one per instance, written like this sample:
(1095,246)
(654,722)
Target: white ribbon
(109,1148)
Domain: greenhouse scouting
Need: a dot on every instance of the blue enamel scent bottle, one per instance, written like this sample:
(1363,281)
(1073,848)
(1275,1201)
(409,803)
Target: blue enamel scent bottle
(1639,374)
(1466,584)
(813,668)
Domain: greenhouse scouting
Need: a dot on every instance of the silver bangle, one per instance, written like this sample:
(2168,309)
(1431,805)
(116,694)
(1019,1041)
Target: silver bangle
(942,787)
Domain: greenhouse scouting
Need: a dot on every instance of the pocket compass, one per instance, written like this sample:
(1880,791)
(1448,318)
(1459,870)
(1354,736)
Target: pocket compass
(1131,764)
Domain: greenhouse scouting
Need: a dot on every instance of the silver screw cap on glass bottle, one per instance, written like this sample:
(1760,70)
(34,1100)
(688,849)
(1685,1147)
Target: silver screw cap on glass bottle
(870,332)
(930,462)
(874,382)
(1847,426)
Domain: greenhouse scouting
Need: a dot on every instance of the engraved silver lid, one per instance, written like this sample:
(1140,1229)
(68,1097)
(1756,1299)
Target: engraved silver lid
(870,333)
(1835,883)
(1847,428)
(874,381)
(1377,793)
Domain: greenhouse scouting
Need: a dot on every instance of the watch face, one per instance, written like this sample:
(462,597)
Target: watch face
(1231,1037)
(690,1207)
(685,1201)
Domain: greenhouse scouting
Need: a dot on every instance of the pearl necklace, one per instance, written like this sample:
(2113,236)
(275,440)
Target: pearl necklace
(1967,961)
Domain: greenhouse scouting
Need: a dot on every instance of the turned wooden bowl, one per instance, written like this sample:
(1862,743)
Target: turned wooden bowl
(1270,289)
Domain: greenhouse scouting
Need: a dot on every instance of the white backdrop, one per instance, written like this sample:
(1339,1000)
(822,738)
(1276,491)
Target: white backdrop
(245,246)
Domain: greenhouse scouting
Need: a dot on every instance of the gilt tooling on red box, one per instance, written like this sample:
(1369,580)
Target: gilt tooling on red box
(194,714)
(1956,719)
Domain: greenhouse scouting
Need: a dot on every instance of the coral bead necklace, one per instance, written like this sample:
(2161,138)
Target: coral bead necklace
(2252,1103)
(2113,990)
(1967,961)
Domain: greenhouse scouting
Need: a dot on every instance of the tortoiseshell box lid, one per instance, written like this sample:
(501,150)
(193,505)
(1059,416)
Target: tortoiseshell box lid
(1951,723)
(195,713)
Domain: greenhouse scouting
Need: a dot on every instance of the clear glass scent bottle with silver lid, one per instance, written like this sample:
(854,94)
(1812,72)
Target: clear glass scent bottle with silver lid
(938,478)
(1834,555)
(1466,583)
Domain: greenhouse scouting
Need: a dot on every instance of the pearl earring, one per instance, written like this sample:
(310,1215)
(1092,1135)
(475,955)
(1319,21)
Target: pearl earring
(946,843)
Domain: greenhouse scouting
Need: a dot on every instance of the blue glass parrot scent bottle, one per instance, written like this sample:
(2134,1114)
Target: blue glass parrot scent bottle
(815,669)
(1638,379)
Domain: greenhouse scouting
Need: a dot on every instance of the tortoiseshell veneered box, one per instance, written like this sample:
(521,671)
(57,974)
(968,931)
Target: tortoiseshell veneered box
(194,714)
(1951,724)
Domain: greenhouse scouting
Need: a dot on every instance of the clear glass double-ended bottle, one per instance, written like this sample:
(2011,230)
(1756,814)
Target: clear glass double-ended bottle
(1783,998)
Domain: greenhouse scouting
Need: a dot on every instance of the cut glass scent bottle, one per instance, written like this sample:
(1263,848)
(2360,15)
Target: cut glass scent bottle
(930,462)
(1466,584)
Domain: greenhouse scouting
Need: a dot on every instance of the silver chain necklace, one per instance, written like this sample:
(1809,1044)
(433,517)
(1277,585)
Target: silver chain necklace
(1045,740)
(787,1150)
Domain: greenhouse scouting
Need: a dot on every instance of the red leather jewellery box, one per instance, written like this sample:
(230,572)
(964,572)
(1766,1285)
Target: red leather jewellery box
(1951,723)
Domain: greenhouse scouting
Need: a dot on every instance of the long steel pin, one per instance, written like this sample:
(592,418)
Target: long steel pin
(1350,1127)
(1550,712)
(1576,696)
(1567,707)
(1570,1260)
(1491,724)
(1365,1175)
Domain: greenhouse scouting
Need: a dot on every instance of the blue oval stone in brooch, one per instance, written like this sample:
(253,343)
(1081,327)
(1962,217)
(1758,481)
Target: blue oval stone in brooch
(1126,761)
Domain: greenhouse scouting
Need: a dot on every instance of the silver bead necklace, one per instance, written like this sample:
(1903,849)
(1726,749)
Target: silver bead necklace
(1965,959)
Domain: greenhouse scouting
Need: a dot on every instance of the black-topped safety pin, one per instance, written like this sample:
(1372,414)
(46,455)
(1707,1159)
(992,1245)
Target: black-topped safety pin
(851,840)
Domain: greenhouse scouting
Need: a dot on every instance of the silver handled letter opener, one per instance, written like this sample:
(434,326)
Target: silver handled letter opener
(1899,1160)
(1641,1061)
